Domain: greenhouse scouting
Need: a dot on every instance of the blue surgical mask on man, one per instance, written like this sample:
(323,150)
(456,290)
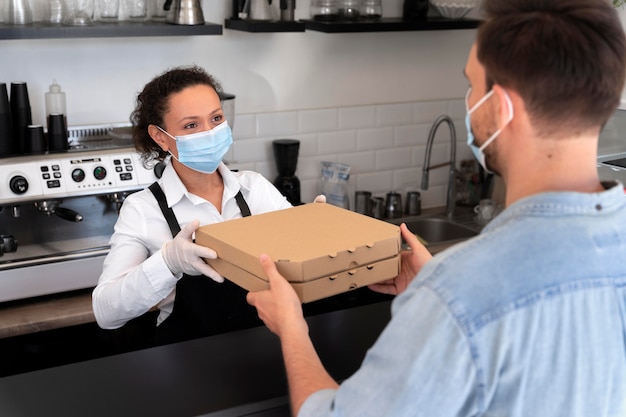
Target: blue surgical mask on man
(203,151)
(479,151)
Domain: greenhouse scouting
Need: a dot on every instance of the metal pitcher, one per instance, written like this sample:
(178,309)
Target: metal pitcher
(184,12)
(19,12)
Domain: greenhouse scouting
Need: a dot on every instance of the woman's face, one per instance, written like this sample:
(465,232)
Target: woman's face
(194,109)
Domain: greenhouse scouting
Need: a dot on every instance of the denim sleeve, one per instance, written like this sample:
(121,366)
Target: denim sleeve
(421,365)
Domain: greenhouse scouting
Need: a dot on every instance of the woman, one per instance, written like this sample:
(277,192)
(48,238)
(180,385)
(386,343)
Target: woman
(178,119)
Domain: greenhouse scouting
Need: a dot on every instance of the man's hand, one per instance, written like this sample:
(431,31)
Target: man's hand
(281,311)
(411,263)
(320,199)
(279,307)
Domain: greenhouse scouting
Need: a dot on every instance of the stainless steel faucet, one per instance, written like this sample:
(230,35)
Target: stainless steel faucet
(451,194)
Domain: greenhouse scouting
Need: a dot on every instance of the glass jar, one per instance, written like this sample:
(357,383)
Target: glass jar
(349,10)
(324,10)
(371,9)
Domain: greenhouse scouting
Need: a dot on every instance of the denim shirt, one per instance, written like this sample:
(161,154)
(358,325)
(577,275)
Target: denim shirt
(526,319)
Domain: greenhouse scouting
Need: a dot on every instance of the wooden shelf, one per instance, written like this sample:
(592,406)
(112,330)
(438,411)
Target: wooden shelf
(106,30)
(259,26)
(390,24)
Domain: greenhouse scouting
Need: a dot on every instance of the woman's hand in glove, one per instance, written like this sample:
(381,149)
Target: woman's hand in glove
(182,256)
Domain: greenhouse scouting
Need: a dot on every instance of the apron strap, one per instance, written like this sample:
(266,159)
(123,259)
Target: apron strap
(243,206)
(168,213)
(203,307)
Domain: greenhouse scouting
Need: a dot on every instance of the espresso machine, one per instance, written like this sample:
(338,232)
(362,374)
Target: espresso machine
(57,210)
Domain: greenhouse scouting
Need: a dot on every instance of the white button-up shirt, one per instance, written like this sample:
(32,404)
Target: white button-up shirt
(135,278)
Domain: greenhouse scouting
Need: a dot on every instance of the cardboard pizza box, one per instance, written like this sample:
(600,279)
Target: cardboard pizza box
(321,249)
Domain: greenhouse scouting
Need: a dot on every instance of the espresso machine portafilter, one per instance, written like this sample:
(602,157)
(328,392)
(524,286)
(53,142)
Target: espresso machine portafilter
(50,207)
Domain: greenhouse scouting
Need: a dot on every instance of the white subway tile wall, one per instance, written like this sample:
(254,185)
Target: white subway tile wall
(384,145)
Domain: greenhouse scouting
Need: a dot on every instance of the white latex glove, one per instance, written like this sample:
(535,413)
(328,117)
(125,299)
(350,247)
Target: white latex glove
(320,199)
(182,256)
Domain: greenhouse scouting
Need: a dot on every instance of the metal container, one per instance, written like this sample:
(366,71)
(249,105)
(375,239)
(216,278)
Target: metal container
(19,12)
(393,205)
(363,202)
(413,203)
(378,207)
(184,12)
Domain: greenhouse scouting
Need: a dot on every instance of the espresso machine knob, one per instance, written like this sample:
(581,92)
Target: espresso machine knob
(18,184)
(9,243)
(99,172)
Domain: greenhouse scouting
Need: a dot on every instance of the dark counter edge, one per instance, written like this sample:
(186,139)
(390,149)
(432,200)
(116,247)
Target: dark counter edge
(235,373)
(105,30)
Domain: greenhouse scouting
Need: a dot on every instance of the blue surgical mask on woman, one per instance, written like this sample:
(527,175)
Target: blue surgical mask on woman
(479,151)
(203,151)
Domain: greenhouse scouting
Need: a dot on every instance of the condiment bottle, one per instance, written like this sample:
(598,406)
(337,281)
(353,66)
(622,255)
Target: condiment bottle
(55,101)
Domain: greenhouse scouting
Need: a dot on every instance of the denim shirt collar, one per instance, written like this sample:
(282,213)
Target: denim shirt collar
(565,202)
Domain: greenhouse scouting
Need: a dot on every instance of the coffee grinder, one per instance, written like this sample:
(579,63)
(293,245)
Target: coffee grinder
(286,155)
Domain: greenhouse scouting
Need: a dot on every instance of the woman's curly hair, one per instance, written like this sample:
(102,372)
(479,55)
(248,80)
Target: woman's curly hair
(153,102)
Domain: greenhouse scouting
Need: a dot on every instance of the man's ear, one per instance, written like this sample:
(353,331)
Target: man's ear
(158,136)
(505,105)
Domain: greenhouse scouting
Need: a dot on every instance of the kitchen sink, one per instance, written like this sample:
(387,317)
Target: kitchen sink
(437,231)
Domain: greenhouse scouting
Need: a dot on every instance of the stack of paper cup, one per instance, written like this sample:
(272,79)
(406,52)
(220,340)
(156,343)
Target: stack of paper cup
(6,123)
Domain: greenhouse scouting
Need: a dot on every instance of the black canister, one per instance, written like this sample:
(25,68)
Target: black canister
(286,155)
(21,115)
(6,123)
(415,9)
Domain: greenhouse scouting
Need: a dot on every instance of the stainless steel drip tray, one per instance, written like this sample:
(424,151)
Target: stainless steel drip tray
(50,252)
(53,267)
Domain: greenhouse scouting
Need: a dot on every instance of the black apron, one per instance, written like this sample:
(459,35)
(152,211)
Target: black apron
(203,307)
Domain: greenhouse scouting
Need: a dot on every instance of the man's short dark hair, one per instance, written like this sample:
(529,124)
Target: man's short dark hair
(566,59)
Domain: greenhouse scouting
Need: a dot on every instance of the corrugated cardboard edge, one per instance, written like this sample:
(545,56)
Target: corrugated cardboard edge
(317,289)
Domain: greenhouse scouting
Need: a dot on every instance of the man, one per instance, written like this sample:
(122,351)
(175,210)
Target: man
(528,318)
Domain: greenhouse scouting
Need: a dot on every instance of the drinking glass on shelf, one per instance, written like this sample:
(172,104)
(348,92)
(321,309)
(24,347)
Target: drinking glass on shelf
(157,12)
(56,12)
(136,10)
(80,13)
(109,10)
